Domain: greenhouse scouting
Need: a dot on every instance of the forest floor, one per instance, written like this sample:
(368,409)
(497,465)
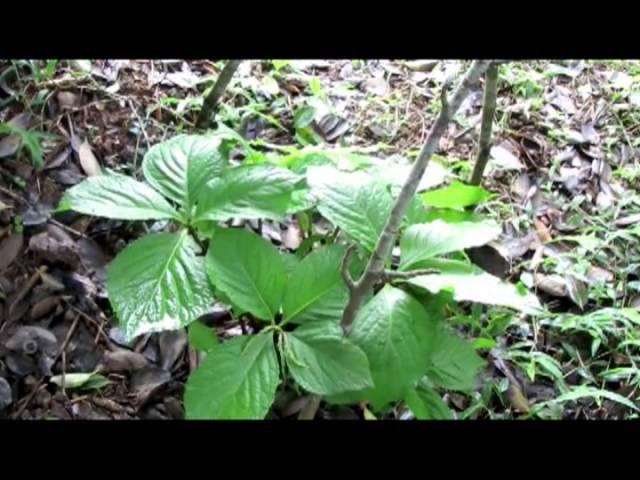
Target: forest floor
(564,168)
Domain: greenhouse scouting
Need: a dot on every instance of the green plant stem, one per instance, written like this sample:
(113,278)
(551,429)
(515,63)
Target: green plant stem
(211,102)
(375,267)
(488,114)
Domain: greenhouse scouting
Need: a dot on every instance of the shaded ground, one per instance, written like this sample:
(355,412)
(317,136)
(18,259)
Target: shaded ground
(564,170)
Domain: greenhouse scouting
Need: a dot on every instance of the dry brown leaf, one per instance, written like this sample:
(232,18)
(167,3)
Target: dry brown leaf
(421,65)
(503,157)
(44,307)
(628,220)
(518,399)
(542,230)
(596,274)
(88,161)
(68,100)
(552,284)
(293,236)
(10,249)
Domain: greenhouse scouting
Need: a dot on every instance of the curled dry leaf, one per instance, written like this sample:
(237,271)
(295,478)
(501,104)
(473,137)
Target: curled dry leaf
(504,158)
(122,360)
(43,307)
(88,161)
(9,145)
(6,396)
(421,65)
(148,381)
(293,236)
(542,230)
(628,220)
(521,187)
(53,249)
(10,249)
(518,399)
(552,284)
(596,274)
(68,100)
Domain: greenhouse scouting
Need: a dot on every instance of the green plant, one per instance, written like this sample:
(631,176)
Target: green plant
(310,327)
(29,140)
(399,348)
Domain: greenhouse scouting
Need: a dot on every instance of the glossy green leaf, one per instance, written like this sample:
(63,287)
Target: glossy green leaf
(480,287)
(396,334)
(427,240)
(249,270)
(113,195)
(158,283)
(315,290)
(201,337)
(453,363)
(450,216)
(257,191)
(179,167)
(352,201)
(236,381)
(426,404)
(322,361)
(303,116)
(455,195)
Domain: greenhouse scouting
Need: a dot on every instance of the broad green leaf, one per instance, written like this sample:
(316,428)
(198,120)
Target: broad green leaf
(427,240)
(303,116)
(249,270)
(396,173)
(352,201)
(416,212)
(453,363)
(179,167)
(322,361)
(257,191)
(448,265)
(426,404)
(301,200)
(291,262)
(236,381)
(393,329)
(113,195)
(158,283)
(450,216)
(315,290)
(455,195)
(480,287)
(201,337)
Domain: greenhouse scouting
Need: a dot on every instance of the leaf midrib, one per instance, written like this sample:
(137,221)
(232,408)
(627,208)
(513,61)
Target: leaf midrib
(165,269)
(312,301)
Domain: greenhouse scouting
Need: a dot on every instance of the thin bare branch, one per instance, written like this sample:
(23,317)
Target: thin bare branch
(211,102)
(375,267)
(488,114)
